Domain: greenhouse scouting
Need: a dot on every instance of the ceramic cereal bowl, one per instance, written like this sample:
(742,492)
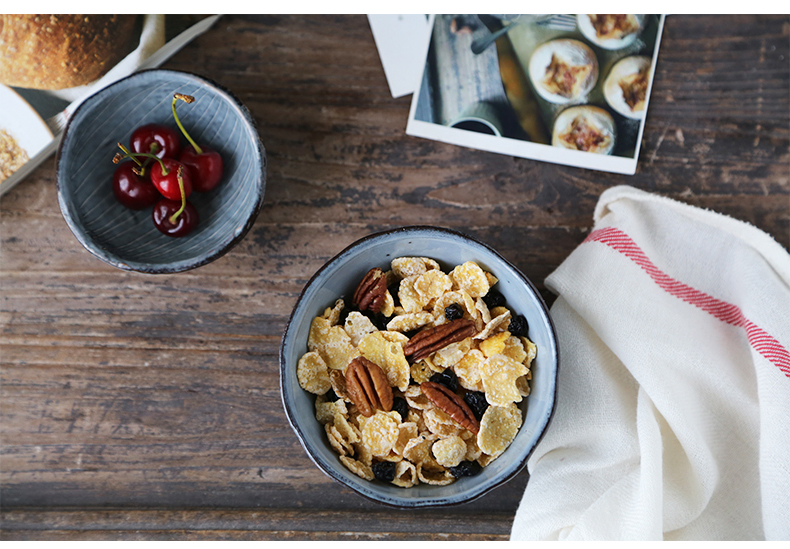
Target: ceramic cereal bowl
(126,238)
(338,278)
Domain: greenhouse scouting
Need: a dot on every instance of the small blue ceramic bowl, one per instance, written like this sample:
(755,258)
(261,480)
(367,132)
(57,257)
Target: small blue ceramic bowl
(128,239)
(339,277)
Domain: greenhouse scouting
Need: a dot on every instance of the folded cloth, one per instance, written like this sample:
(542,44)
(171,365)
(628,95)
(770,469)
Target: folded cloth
(673,409)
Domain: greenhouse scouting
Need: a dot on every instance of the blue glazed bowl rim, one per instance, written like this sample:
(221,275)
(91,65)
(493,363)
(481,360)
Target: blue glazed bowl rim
(181,266)
(397,502)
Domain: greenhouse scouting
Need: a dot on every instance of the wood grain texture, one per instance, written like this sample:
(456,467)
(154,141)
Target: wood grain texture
(148,407)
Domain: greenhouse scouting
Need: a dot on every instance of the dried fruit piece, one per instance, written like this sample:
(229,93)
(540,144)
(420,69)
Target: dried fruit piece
(370,293)
(367,387)
(519,326)
(477,403)
(466,469)
(453,311)
(312,373)
(431,340)
(400,405)
(384,471)
(446,378)
(498,428)
(494,299)
(452,404)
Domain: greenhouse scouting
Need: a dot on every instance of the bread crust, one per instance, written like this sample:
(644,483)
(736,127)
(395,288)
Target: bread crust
(53,52)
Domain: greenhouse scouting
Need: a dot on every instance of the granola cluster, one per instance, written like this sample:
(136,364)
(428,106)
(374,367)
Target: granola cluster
(418,380)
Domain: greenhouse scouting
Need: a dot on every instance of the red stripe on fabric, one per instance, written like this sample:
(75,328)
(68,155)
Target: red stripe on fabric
(759,339)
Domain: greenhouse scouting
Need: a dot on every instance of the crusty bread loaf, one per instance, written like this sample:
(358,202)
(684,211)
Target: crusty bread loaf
(53,52)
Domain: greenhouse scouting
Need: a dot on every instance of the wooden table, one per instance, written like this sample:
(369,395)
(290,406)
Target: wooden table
(148,407)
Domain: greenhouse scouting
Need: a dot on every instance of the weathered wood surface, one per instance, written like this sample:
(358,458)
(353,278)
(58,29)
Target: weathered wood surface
(147,407)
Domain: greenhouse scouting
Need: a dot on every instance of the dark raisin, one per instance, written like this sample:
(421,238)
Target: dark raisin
(384,470)
(518,326)
(393,290)
(453,312)
(494,299)
(331,396)
(477,402)
(401,406)
(446,378)
(466,469)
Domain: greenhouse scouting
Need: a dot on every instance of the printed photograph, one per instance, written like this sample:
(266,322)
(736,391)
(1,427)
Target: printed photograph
(569,89)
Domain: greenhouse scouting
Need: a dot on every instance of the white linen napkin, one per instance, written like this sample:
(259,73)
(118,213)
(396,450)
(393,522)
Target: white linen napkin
(673,409)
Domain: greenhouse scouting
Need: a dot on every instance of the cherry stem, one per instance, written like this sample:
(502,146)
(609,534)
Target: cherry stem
(127,151)
(174,217)
(185,99)
(118,157)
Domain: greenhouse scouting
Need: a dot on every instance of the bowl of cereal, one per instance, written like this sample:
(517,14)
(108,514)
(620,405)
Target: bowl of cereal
(419,368)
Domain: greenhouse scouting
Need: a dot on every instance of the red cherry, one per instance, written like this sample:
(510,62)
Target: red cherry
(131,190)
(166,142)
(167,183)
(206,167)
(184,224)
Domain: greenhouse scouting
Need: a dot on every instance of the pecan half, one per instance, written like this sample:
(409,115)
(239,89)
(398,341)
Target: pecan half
(431,340)
(452,404)
(367,386)
(371,291)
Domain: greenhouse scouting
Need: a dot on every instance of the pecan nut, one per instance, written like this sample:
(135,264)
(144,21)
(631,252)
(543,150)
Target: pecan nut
(431,340)
(367,387)
(451,404)
(371,291)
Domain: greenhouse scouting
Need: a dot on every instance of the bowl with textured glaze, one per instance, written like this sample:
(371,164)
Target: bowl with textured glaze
(338,277)
(128,239)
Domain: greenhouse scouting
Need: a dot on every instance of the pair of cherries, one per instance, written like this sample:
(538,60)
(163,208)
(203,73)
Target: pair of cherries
(163,175)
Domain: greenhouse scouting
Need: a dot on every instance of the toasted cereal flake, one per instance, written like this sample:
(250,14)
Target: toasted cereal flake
(522,384)
(338,381)
(514,349)
(406,432)
(410,299)
(439,422)
(485,459)
(499,374)
(404,267)
(358,468)
(332,343)
(380,432)
(421,372)
(357,326)
(334,314)
(319,329)
(312,373)
(432,285)
(485,314)
(363,454)
(410,321)
(395,337)
(498,427)
(496,311)
(347,430)
(418,449)
(495,323)
(473,452)
(531,349)
(419,402)
(469,370)
(495,344)
(451,354)
(491,278)
(449,451)
(433,366)
(389,305)
(336,440)
(435,477)
(405,475)
(447,299)
(325,411)
(389,356)
(471,278)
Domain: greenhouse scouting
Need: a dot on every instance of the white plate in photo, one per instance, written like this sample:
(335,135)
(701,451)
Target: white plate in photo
(570,52)
(585,25)
(22,122)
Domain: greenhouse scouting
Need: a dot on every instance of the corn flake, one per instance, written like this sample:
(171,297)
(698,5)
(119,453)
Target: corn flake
(388,309)
(440,477)
(469,370)
(410,321)
(357,326)
(405,474)
(449,451)
(404,267)
(358,468)
(325,411)
(312,373)
(420,371)
(531,350)
(514,349)
(336,440)
(495,323)
(439,422)
(499,376)
(495,344)
(389,356)
(406,432)
(410,299)
(432,285)
(380,432)
(471,278)
(498,427)
(418,450)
